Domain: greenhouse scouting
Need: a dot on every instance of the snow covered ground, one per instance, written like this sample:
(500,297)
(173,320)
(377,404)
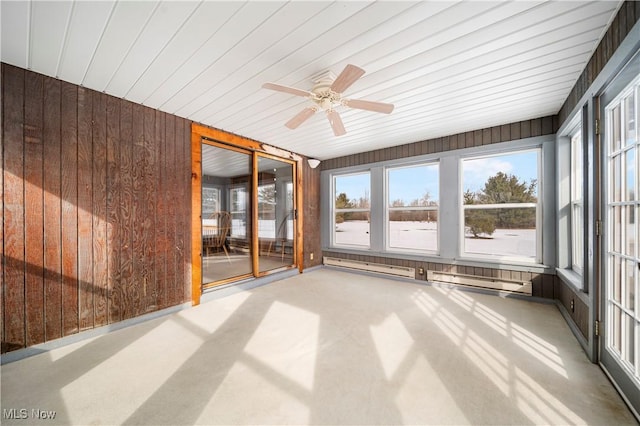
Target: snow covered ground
(424,236)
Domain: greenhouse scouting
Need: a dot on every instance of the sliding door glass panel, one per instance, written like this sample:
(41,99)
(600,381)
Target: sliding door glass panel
(226,214)
(276,214)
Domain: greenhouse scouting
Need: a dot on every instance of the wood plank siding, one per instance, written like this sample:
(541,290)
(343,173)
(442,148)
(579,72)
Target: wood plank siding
(96,209)
(624,21)
(522,129)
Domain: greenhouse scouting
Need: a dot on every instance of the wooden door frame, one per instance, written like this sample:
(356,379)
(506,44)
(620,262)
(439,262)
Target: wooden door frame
(198,133)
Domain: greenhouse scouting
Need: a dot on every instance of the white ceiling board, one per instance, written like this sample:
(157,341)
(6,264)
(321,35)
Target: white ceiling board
(223,40)
(264,39)
(166,20)
(88,21)
(447,66)
(310,47)
(15,32)
(49,25)
(187,41)
(126,24)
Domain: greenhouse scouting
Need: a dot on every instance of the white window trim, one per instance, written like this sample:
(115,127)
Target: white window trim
(388,209)
(449,206)
(539,205)
(564,221)
(574,201)
(334,211)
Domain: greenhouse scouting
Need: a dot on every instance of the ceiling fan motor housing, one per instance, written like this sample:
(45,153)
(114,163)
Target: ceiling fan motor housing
(324,97)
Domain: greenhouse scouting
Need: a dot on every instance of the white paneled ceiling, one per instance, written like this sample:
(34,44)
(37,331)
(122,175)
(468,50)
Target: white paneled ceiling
(448,67)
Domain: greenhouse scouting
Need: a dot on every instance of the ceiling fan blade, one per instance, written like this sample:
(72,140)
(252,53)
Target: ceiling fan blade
(368,105)
(287,89)
(347,77)
(336,123)
(300,117)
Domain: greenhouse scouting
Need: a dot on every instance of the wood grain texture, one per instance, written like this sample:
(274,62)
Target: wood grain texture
(138,214)
(113,243)
(3,265)
(85,207)
(311,203)
(126,211)
(33,201)
(52,210)
(14,227)
(183,234)
(196,222)
(162,200)
(88,236)
(149,301)
(99,209)
(69,219)
(171,191)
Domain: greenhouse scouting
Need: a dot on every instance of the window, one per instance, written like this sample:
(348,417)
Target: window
(210,201)
(500,206)
(239,211)
(352,209)
(477,204)
(412,207)
(577,211)
(622,285)
(267,210)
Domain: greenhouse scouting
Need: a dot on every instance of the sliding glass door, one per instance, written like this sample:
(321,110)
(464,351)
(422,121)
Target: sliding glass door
(247,213)
(226,214)
(276,213)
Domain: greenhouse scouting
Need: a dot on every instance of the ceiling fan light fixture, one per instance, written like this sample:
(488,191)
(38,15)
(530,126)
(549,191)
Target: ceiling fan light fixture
(326,94)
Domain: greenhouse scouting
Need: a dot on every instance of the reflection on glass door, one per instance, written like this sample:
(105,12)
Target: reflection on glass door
(621,349)
(275,214)
(226,214)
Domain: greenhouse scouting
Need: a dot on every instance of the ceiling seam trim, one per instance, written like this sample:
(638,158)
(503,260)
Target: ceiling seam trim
(258,72)
(65,40)
(29,38)
(153,61)
(195,52)
(220,58)
(95,49)
(133,43)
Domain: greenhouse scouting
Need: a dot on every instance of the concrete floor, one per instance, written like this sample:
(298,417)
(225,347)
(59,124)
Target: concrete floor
(324,347)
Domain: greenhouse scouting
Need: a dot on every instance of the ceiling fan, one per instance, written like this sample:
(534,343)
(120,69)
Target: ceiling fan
(327,94)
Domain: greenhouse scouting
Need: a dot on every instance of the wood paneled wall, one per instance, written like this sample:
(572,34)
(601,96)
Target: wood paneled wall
(624,21)
(311,214)
(96,209)
(507,132)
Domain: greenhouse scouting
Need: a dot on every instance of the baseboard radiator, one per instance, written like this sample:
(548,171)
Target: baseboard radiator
(501,284)
(400,271)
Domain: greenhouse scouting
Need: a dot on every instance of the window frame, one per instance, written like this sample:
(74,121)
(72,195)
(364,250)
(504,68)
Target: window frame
(335,211)
(537,205)
(449,206)
(242,188)
(388,209)
(576,200)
